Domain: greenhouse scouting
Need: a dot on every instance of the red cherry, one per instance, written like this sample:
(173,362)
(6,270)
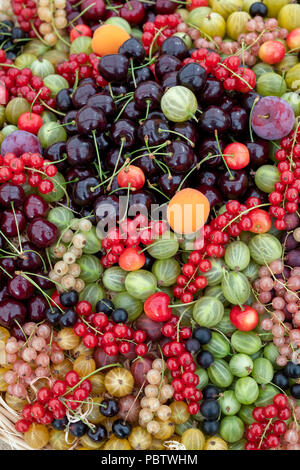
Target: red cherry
(30,122)
(80,30)
(236,155)
(244,319)
(271,52)
(261,221)
(131,176)
(157,307)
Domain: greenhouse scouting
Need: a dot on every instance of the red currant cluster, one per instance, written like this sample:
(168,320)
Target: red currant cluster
(237,218)
(26,13)
(84,65)
(22,83)
(191,280)
(162,28)
(269,424)
(124,242)
(285,197)
(181,364)
(229,71)
(52,403)
(29,166)
(96,329)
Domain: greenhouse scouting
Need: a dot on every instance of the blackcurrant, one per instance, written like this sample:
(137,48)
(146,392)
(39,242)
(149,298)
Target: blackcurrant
(60,424)
(292,370)
(202,334)
(109,408)
(205,359)
(210,427)
(295,391)
(211,391)
(69,318)
(258,9)
(69,299)
(98,433)
(121,429)
(192,345)
(119,315)
(78,429)
(210,409)
(281,380)
(105,306)
(53,315)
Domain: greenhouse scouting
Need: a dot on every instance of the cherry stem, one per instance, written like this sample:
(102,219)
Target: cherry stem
(82,13)
(225,163)
(160,130)
(250,118)
(117,163)
(98,155)
(154,40)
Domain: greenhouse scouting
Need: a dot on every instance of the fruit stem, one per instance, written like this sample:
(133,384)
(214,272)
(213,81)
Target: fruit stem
(122,109)
(116,165)
(82,13)
(32,104)
(219,148)
(244,212)
(250,118)
(160,130)
(132,72)
(75,83)
(154,40)
(98,155)
(17,226)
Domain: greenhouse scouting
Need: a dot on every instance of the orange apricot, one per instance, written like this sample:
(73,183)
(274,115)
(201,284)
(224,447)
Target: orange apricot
(108,38)
(188,211)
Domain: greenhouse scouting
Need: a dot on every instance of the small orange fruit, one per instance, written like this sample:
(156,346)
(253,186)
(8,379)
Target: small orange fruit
(108,39)
(188,211)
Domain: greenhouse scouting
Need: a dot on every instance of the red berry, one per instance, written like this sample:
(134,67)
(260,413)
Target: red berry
(72,378)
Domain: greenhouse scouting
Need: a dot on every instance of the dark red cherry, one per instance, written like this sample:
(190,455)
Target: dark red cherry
(169,80)
(188,130)
(207,177)
(85,191)
(174,46)
(253,191)
(141,75)
(94,10)
(233,185)
(248,100)
(133,12)
(57,152)
(4,294)
(148,165)
(63,99)
(179,157)
(77,173)
(82,94)
(43,280)
(148,95)
(259,151)
(192,76)
(17,332)
(124,131)
(214,119)
(133,48)
(20,288)
(227,103)
(42,233)
(213,92)
(80,150)
(155,131)
(35,206)
(170,184)
(131,112)
(104,102)
(166,64)
(213,195)
(12,221)
(239,120)
(11,193)
(114,67)
(114,159)
(8,265)
(209,147)
(104,142)
(106,209)
(138,200)
(36,308)
(90,118)
(11,310)
(31,258)
(69,122)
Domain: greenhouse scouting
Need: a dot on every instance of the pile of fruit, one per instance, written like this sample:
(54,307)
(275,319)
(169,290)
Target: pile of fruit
(150,224)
